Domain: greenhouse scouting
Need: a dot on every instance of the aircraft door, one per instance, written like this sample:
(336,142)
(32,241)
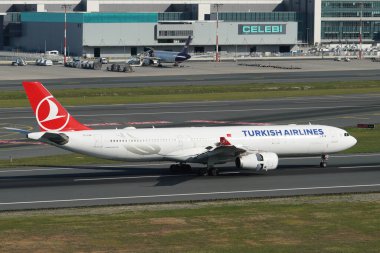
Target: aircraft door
(97,52)
(98,141)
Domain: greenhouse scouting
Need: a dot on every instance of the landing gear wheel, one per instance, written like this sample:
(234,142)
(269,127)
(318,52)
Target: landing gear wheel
(323,163)
(202,172)
(174,168)
(187,168)
(213,172)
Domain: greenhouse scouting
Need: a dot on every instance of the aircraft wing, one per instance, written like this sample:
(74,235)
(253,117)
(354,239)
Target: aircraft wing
(223,152)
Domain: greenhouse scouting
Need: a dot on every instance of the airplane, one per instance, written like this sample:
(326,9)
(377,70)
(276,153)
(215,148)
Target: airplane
(160,56)
(249,147)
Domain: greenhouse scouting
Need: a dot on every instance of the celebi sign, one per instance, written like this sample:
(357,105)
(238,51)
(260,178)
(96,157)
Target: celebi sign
(268,29)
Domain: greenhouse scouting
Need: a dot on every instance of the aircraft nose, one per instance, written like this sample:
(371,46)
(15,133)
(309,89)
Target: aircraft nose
(353,141)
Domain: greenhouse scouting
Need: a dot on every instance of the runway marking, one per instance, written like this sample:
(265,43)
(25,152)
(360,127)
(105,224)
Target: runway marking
(86,168)
(148,122)
(351,117)
(331,156)
(228,122)
(363,166)
(190,194)
(104,124)
(20,142)
(5,171)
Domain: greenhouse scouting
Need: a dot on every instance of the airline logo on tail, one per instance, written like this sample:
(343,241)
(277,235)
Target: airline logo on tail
(50,115)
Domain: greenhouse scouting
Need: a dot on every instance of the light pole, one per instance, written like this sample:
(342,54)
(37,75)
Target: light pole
(361,31)
(217,59)
(65,7)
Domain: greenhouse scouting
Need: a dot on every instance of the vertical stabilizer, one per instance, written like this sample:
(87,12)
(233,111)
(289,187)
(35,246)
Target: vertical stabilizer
(185,49)
(50,114)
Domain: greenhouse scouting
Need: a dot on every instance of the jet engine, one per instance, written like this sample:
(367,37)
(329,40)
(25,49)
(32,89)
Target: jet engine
(258,161)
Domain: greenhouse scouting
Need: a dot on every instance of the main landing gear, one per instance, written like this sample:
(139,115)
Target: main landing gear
(180,167)
(323,163)
(210,171)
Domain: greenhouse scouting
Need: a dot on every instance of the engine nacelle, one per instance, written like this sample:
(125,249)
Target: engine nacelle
(258,161)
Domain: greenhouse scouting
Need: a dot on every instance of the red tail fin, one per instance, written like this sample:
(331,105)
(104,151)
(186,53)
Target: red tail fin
(50,114)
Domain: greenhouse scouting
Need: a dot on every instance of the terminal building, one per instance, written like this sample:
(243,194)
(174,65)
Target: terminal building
(126,27)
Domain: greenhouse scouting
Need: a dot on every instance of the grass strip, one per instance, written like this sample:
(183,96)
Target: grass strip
(367,143)
(368,140)
(90,96)
(346,223)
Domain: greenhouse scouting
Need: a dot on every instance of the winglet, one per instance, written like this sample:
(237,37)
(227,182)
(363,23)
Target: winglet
(224,142)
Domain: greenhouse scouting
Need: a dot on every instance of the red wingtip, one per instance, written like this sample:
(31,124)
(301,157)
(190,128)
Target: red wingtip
(50,114)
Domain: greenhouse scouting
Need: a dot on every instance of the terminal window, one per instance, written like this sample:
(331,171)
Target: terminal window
(175,33)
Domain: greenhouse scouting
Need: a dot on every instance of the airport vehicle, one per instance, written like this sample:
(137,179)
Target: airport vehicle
(52,52)
(119,67)
(103,60)
(250,147)
(160,56)
(19,62)
(44,62)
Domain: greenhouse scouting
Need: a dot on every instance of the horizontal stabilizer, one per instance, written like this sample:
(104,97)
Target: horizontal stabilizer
(49,137)
(57,138)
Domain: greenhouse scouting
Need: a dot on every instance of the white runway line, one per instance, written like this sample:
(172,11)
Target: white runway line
(192,194)
(357,167)
(48,169)
(331,156)
(86,168)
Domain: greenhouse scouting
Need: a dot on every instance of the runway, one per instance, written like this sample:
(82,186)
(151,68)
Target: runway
(209,79)
(45,187)
(151,183)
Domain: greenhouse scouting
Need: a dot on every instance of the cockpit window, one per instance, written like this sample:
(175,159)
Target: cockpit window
(346,134)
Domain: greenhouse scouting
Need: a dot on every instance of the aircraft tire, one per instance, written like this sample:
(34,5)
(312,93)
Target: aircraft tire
(186,167)
(213,172)
(202,172)
(174,168)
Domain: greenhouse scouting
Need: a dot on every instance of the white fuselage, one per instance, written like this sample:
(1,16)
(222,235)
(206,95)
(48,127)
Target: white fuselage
(182,144)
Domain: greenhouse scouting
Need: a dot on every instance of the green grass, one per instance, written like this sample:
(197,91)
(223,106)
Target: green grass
(367,143)
(308,224)
(368,140)
(194,93)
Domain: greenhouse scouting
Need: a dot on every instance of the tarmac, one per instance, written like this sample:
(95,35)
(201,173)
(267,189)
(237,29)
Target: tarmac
(33,72)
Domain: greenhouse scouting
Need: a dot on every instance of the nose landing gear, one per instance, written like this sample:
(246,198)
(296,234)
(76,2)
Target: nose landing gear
(323,163)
